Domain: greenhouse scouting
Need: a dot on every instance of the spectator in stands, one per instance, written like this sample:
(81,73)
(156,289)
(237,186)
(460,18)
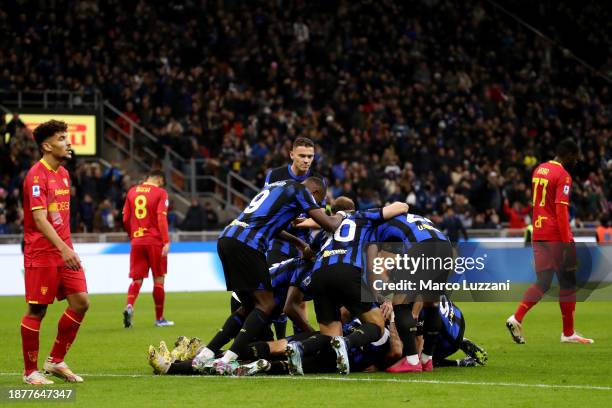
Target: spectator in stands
(452,226)
(4,227)
(212,219)
(195,219)
(516,214)
(87,213)
(460,93)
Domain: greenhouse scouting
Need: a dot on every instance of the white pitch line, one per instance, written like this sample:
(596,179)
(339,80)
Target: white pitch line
(360,379)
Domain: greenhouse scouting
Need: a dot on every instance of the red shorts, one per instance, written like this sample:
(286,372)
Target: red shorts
(45,283)
(145,257)
(548,256)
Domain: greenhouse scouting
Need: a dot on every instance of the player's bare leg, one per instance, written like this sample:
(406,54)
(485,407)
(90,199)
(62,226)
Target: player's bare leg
(67,329)
(133,292)
(159,295)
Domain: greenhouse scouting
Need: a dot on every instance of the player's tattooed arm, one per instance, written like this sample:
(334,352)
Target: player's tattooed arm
(70,257)
(395,345)
(394,209)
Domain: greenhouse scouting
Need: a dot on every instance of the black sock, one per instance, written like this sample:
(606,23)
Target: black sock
(181,368)
(230,329)
(406,328)
(323,361)
(431,328)
(256,350)
(365,334)
(278,368)
(253,326)
(280,328)
(446,363)
(315,343)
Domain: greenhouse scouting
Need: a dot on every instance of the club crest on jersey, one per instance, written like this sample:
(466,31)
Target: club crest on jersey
(566,190)
(35,191)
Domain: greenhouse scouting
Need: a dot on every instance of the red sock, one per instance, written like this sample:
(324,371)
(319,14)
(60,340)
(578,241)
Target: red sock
(158,297)
(30,328)
(530,298)
(567,303)
(133,292)
(67,329)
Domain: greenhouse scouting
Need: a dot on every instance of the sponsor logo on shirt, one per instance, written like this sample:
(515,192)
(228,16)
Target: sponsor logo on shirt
(334,252)
(62,191)
(239,224)
(139,233)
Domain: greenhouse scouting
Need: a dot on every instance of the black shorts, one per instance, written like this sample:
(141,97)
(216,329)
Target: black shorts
(334,286)
(245,268)
(275,256)
(433,254)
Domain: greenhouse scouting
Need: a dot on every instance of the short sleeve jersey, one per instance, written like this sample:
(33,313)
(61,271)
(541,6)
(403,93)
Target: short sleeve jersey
(143,204)
(45,189)
(551,185)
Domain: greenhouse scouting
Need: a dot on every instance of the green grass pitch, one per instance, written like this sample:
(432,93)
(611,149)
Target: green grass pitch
(112,359)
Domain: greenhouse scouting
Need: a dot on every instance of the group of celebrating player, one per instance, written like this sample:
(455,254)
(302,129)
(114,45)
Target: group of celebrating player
(274,260)
(269,279)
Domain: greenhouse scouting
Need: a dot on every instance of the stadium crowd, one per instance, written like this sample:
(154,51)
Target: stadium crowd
(445,105)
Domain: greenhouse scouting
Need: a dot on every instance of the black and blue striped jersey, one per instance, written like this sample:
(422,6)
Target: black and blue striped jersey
(285,247)
(319,240)
(453,327)
(278,245)
(284,173)
(270,212)
(408,229)
(291,272)
(348,242)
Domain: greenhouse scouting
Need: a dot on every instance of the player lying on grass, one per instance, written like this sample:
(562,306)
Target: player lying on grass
(269,356)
